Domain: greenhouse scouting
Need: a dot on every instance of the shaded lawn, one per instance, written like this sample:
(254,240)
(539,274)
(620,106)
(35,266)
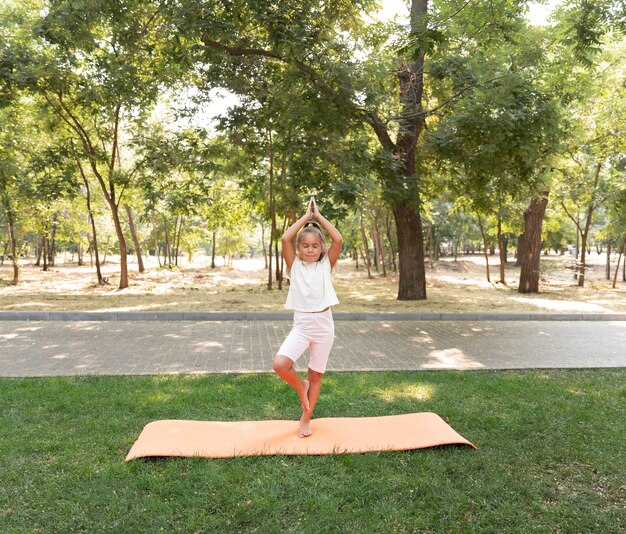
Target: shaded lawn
(550,456)
(451,286)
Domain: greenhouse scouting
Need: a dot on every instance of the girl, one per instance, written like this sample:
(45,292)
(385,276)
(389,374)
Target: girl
(311,294)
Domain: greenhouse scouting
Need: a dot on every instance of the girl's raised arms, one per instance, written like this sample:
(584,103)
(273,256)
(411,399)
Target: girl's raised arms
(286,241)
(335,247)
(312,210)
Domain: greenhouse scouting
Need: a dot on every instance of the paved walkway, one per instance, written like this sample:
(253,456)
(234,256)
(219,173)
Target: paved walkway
(134,347)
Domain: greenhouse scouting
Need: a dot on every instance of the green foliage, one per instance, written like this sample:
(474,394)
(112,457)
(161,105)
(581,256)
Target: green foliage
(504,109)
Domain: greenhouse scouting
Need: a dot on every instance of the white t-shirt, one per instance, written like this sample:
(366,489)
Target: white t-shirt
(311,287)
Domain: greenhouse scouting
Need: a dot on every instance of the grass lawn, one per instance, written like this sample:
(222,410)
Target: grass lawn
(451,286)
(550,458)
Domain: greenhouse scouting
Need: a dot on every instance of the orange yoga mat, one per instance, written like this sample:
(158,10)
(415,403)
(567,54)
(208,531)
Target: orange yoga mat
(335,435)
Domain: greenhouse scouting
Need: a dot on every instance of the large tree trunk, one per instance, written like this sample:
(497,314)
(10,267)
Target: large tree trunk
(133,233)
(412,284)
(531,250)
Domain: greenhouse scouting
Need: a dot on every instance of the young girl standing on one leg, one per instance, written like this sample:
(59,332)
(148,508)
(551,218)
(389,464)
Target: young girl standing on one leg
(311,294)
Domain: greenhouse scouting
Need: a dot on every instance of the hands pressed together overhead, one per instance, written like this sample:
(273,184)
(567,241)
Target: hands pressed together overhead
(312,210)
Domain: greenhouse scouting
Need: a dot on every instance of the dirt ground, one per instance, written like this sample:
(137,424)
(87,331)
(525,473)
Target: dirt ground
(451,286)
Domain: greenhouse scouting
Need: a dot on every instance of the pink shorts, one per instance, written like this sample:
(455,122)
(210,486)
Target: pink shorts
(315,330)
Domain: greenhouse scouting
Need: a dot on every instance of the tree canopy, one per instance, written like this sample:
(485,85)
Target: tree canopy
(465,115)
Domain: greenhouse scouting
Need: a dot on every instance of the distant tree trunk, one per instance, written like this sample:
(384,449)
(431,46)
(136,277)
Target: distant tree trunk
(279,278)
(608,261)
(123,249)
(272,210)
(582,266)
(157,247)
(167,259)
(431,245)
(4,253)
(12,244)
(91,217)
(376,260)
(106,251)
(366,257)
(38,251)
(79,254)
(520,250)
(392,251)
(52,252)
(486,251)
(133,233)
(531,249)
(622,251)
(213,250)
(44,252)
(381,248)
(502,250)
(263,243)
(367,262)
(178,238)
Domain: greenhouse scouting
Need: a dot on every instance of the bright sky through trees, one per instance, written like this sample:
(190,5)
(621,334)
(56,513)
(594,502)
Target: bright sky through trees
(538,14)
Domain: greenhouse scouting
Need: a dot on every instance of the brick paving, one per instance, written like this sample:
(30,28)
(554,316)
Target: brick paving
(118,347)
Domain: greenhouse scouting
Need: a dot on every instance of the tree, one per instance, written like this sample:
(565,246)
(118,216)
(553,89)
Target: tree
(589,175)
(101,67)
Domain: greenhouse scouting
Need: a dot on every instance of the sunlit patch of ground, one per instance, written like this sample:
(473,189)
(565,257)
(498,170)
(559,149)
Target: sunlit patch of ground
(456,286)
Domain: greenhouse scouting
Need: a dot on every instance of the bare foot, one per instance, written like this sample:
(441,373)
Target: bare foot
(305,426)
(304,396)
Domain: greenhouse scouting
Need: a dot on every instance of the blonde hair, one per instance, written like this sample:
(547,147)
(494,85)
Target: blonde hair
(312,228)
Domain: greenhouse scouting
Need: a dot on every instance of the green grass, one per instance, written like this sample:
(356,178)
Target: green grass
(551,456)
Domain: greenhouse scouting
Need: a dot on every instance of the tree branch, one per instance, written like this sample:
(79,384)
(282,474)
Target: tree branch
(380,129)
(570,216)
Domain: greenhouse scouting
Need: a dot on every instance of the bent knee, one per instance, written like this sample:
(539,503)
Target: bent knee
(282,364)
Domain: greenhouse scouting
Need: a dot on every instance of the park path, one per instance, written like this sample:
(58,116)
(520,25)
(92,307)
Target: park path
(139,346)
